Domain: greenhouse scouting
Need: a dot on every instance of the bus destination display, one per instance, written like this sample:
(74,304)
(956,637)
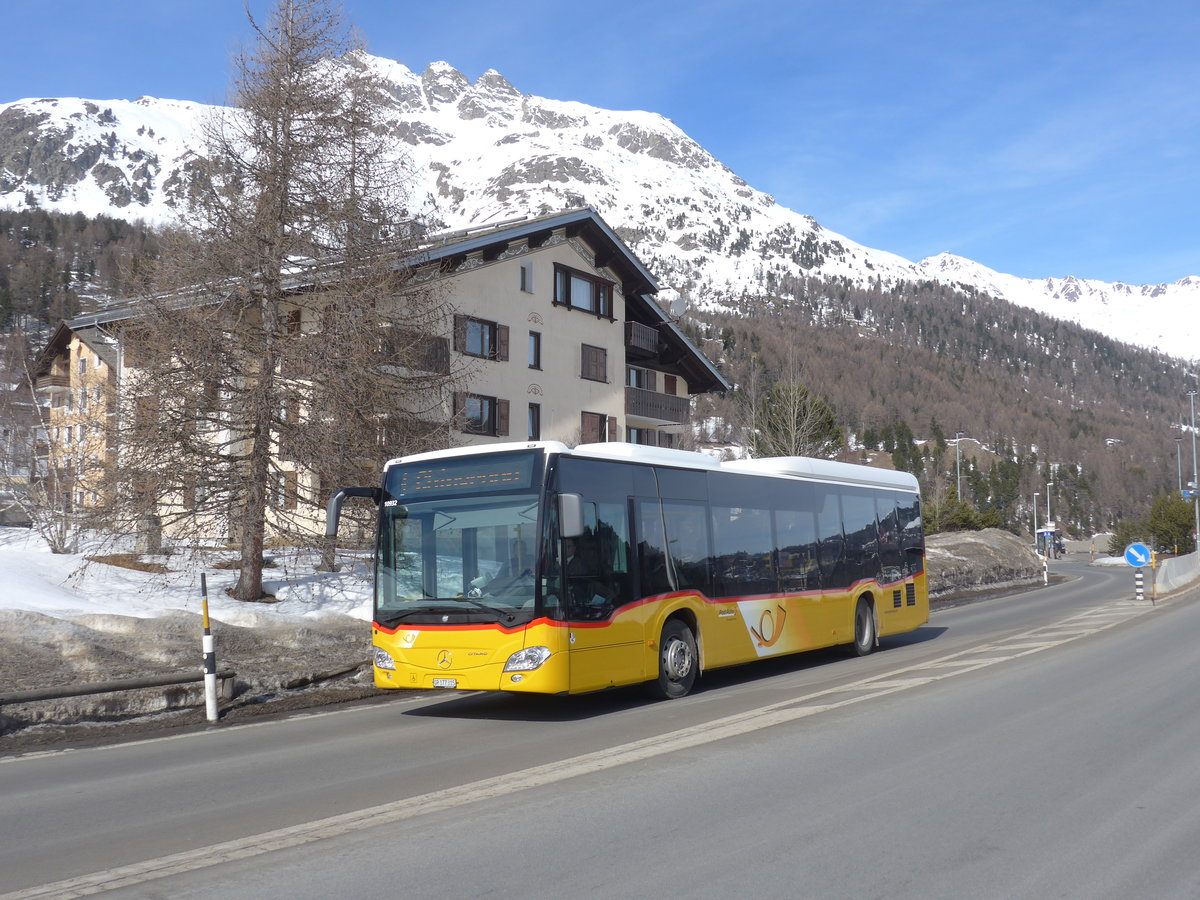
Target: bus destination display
(467,475)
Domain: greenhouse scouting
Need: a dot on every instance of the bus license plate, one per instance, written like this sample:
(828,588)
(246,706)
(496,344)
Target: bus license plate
(445,682)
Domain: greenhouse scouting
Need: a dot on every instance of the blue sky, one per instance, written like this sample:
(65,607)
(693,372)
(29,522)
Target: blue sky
(1038,138)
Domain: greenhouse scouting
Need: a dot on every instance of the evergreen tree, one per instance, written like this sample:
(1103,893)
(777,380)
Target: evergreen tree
(1170,524)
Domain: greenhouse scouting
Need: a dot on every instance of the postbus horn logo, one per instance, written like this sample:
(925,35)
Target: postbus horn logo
(768,630)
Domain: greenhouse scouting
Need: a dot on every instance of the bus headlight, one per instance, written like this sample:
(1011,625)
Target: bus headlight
(527,660)
(383,660)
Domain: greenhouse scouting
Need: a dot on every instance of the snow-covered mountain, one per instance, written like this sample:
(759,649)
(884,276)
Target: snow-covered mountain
(484,152)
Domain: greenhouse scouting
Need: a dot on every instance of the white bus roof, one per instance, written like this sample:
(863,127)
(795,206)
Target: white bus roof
(793,466)
(827,470)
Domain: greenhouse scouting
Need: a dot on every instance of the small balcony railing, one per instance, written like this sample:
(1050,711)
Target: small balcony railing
(641,340)
(53,382)
(665,408)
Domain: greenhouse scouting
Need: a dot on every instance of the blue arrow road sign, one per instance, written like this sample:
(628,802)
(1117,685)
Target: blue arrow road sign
(1137,555)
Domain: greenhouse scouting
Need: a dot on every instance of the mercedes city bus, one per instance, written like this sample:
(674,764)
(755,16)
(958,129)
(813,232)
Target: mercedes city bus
(543,568)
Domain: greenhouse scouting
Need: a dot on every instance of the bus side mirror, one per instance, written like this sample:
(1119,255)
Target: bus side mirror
(333,510)
(570,515)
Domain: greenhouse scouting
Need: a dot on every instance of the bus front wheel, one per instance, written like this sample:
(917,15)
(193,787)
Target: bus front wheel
(678,662)
(864,627)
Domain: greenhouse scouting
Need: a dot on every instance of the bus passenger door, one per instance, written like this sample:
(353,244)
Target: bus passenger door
(605,632)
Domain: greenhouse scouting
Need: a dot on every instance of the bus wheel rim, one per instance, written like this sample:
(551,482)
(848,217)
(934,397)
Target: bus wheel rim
(677,659)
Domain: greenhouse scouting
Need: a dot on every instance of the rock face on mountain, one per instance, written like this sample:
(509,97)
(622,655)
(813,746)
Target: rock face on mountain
(483,151)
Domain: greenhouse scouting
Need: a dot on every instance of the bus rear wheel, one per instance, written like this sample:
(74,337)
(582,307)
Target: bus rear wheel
(864,627)
(678,662)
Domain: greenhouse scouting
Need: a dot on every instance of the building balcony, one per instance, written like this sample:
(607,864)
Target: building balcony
(53,382)
(641,340)
(656,408)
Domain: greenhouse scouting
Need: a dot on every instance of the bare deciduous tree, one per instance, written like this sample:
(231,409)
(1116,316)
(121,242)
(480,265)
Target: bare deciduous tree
(785,418)
(291,344)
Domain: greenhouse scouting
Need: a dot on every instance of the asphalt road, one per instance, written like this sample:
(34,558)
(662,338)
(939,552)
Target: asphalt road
(1037,745)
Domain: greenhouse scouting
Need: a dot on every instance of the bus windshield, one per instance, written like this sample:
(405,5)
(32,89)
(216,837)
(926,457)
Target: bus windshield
(458,541)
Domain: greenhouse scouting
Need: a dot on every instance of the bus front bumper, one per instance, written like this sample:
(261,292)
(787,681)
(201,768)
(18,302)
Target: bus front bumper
(551,677)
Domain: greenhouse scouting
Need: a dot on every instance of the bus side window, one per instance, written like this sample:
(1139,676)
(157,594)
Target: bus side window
(743,551)
(891,562)
(796,536)
(912,536)
(687,539)
(832,541)
(862,534)
(653,577)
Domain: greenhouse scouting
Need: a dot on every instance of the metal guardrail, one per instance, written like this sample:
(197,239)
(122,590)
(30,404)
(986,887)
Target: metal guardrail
(112,687)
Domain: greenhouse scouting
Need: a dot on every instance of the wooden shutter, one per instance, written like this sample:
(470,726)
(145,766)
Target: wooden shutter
(460,333)
(614,430)
(590,428)
(501,418)
(594,363)
(651,380)
(502,342)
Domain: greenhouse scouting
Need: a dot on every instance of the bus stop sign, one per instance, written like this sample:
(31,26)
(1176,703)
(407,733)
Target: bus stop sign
(1137,555)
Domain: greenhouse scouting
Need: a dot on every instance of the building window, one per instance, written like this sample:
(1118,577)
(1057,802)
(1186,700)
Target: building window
(535,350)
(82,364)
(671,385)
(594,363)
(481,414)
(480,337)
(287,491)
(535,421)
(594,427)
(289,411)
(291,322)
(647,436)
(527,276)
(579,290)
(646,379)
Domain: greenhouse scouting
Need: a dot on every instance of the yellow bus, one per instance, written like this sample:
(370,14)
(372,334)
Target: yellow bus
(542,568)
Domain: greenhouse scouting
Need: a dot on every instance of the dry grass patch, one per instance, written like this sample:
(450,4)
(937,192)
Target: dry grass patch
(130,561)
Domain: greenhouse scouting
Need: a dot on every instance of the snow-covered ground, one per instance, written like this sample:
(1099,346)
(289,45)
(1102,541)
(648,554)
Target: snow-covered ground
(68,585)
(66,621)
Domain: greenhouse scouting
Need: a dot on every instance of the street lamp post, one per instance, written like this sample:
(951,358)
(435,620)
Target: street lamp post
(958,464)
(1195,478)
(1179,462)
(1049,520)
(1037,541)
